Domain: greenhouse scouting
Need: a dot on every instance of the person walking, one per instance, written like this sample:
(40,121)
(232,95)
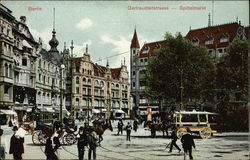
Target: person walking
(174,139)
(52,144)
(135,125)
(120,127)
(92,142)
(128,129)
(81,143)
(16,145)
(187,144)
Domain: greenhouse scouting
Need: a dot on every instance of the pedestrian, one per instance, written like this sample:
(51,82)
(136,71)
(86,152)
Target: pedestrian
(16,145)
(128,129)
(52,144)
(187,144)
(81,143)
(120,127)
(135,125)
(153,130)
(174,139)
(92,142)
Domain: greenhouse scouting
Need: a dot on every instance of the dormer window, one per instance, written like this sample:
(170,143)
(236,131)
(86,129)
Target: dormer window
(209,40)
(195,42)
(224,38)
(145,50)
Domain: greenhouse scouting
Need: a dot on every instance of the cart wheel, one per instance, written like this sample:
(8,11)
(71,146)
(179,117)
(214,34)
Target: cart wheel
(205,133)
(42,138)
(35,138)
(69,139)
(181,132)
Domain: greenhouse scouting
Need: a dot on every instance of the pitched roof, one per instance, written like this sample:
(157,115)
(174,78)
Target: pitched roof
(215,32)
(148,49)
(135,42)
(99,70)
(115,73)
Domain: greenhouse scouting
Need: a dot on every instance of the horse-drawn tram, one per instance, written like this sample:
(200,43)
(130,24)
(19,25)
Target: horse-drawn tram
(199,122)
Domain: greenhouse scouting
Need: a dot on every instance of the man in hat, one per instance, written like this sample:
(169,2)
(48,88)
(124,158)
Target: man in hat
(16,145)
(187,144)
(82,142)
(174,139)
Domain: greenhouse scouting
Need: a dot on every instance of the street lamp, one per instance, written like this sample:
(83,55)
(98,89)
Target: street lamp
(61,91)
(181,87)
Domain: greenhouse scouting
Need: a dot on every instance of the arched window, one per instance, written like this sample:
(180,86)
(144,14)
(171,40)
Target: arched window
(77,102)
(77,80)
(117,86)
(102,84)
(89,81)
(96,83)
(84,81)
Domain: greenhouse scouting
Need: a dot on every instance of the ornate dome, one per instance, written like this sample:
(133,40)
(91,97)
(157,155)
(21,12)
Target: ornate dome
(53,42)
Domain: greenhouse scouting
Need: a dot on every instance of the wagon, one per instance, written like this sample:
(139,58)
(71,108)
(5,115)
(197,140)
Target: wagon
(199,122)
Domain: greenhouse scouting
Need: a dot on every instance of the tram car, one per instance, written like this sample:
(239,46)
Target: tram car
(201,123)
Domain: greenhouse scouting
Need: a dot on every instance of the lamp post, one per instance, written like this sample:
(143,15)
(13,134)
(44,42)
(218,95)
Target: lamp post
(181,87)
(61,92)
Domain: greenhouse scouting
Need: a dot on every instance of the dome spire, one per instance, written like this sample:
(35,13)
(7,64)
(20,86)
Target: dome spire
(53,42)
(135,42)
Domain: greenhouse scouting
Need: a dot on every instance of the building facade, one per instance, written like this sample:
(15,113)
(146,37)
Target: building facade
(30,76)
(97,90)
(18,64)
(214,38)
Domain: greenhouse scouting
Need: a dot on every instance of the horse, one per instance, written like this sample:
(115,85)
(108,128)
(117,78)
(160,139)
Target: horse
(99,129)
(157,127)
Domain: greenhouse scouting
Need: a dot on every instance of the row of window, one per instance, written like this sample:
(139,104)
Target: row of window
(210,40)
(100,103)
(99,83)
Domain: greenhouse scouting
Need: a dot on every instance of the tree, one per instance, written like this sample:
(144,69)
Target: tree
(179,63)
(232,73)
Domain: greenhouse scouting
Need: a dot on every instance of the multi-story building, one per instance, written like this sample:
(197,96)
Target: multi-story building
(214,38)
(98,90)
(18,56)
(51,77)
(30,76)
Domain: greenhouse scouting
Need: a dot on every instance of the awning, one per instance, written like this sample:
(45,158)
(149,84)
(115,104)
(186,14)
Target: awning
(95,111)
(120,111)
(26,44)
(50,109)
(8,112)
(104,110)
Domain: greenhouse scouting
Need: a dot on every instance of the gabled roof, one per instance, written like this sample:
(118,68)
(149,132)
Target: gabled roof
(135,42)
(115,73)
(148,49)
(99,70)
(215,32)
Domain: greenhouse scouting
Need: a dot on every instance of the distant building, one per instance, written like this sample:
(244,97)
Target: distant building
(214,38)
(97,90)
(217,38)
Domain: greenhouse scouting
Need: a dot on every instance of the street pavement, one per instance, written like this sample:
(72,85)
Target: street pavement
(222,146)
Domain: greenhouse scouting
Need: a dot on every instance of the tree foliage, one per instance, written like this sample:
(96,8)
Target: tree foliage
(177,58)
(232,73)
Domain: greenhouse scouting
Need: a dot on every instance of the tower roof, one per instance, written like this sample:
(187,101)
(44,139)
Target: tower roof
(135,42)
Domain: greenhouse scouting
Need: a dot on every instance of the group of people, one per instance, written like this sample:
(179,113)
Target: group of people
(128,128)
(186,140)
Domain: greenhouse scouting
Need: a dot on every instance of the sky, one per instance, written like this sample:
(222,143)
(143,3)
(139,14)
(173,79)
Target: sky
(108,26)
